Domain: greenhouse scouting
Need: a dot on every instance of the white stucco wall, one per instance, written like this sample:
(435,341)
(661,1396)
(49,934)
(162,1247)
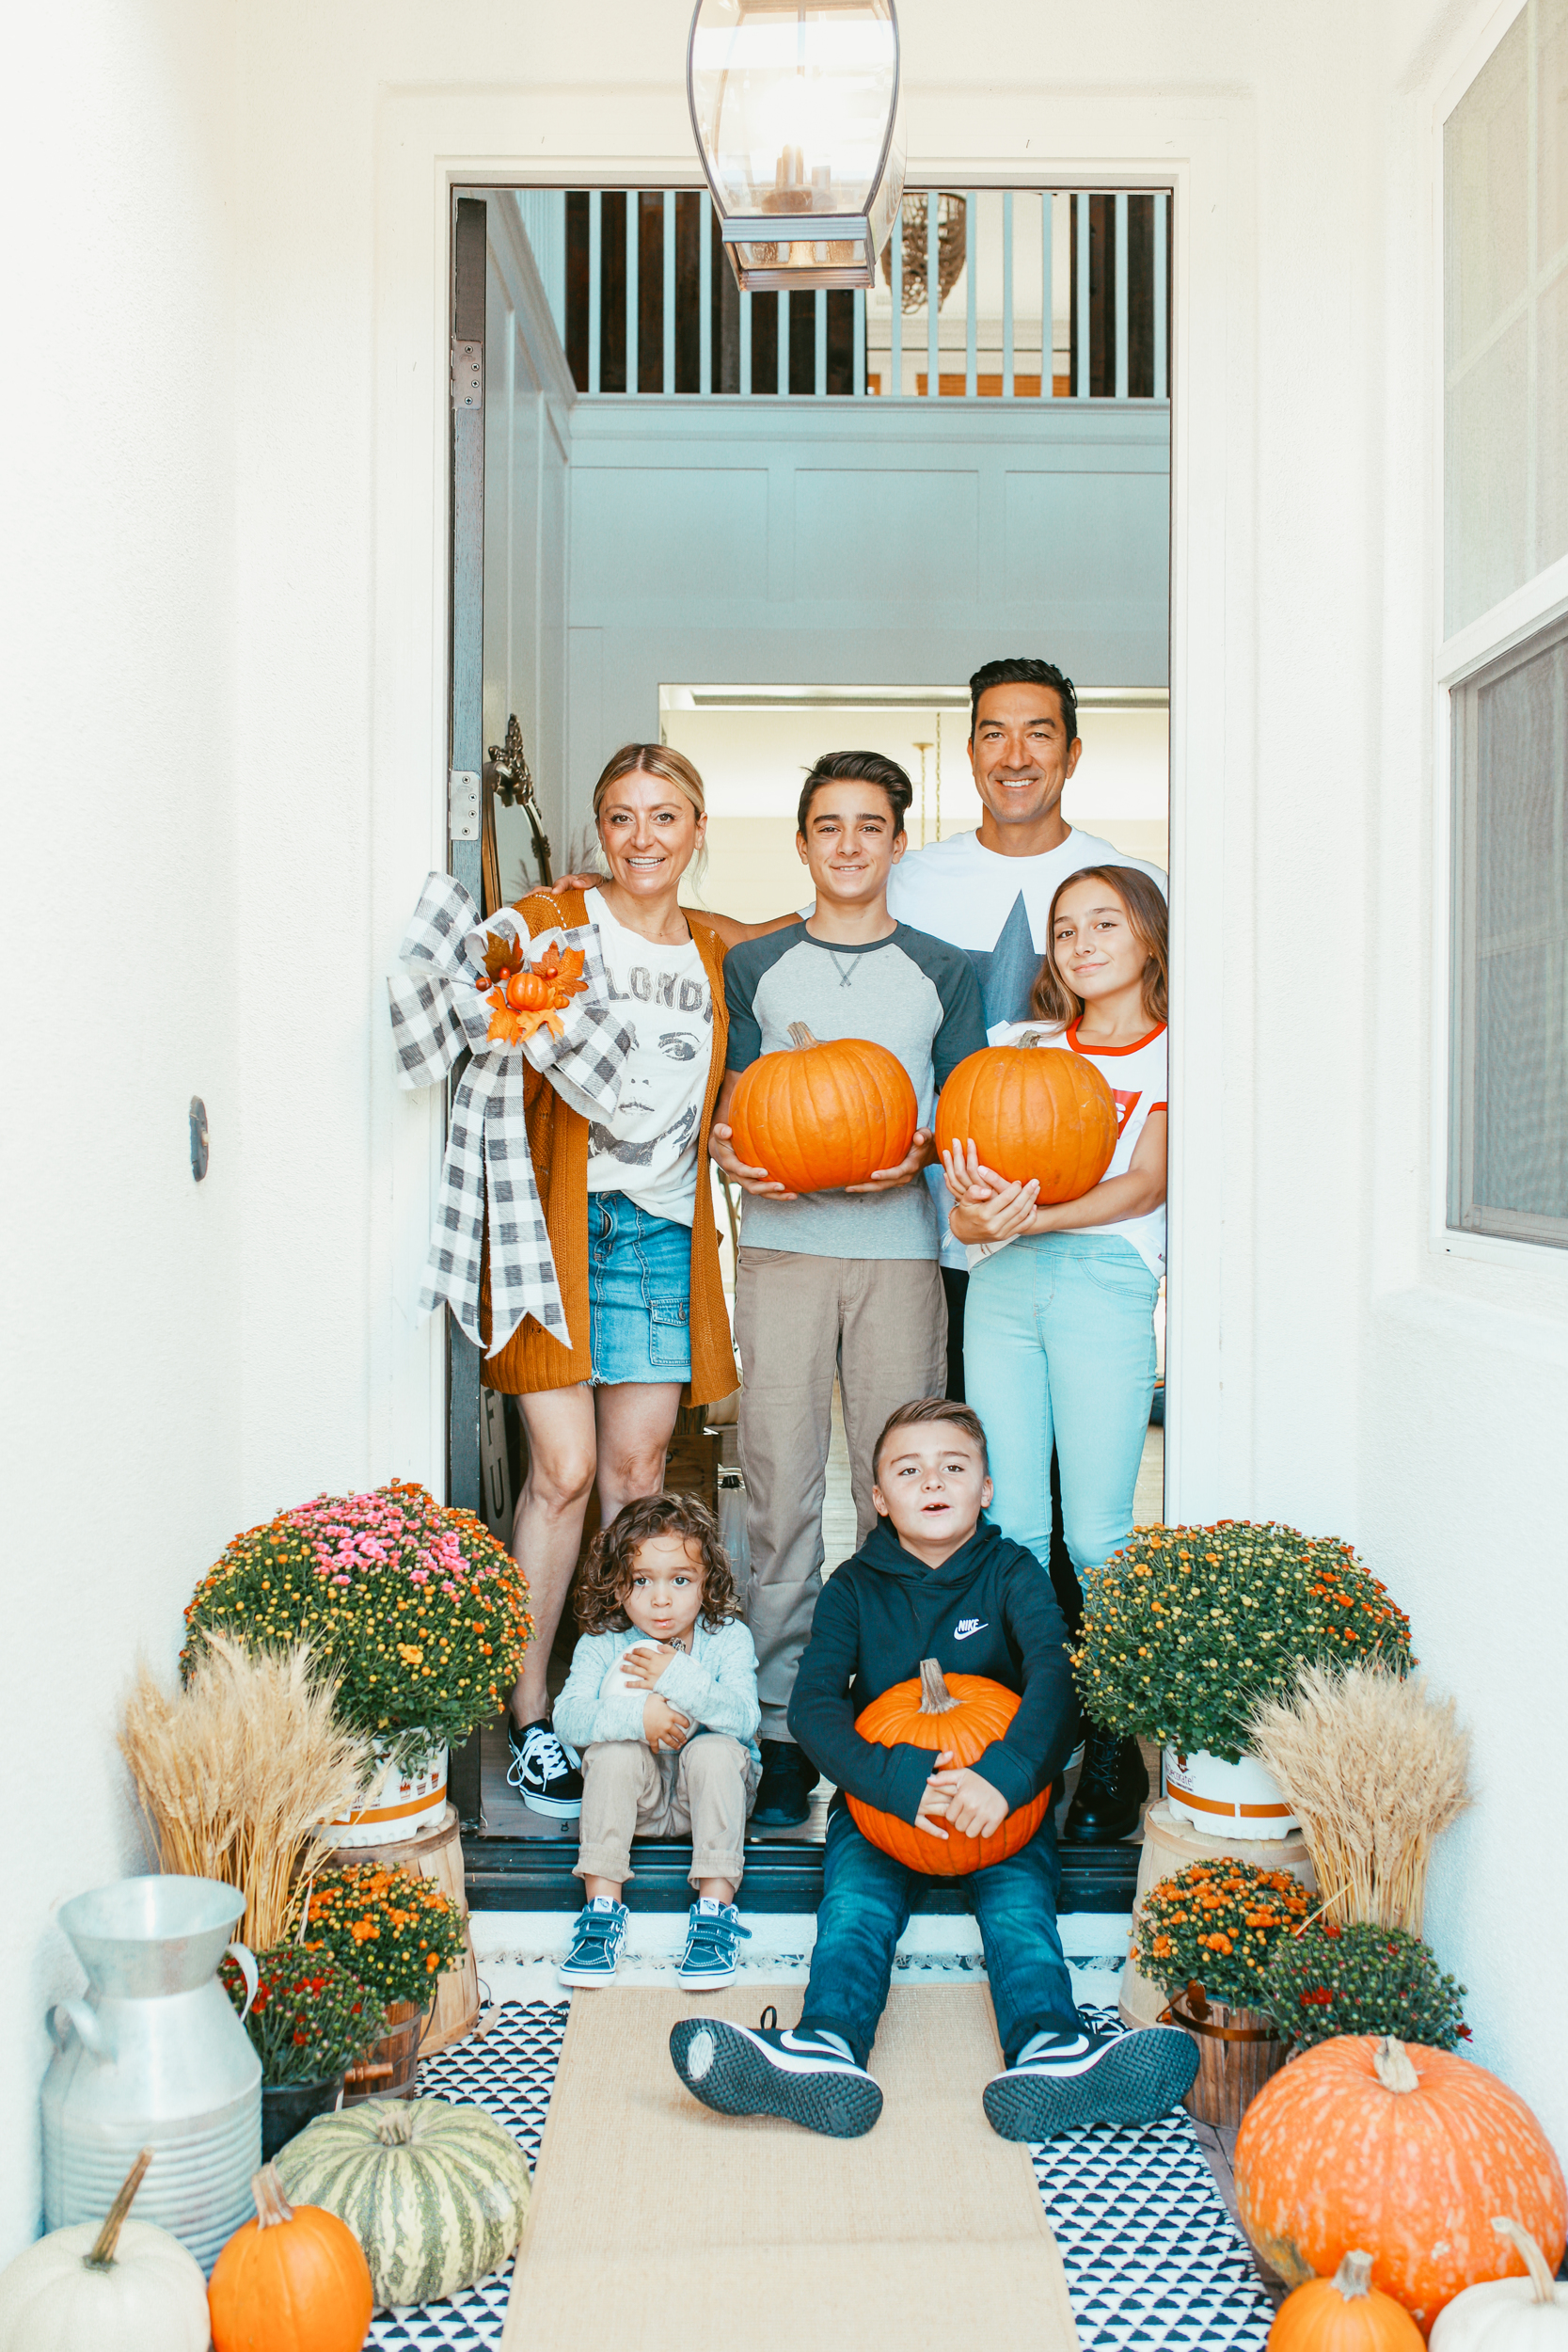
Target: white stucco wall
(223,741)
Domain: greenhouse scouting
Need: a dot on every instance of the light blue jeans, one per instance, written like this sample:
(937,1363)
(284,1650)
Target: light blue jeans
(1059,1344)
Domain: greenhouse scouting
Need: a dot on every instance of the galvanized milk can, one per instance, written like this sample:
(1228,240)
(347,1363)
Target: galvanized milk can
(154,2057)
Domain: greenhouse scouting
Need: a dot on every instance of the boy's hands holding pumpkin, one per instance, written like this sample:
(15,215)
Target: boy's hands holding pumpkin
(967,1803)
(722,1150)
(922,1152)
(661,1726)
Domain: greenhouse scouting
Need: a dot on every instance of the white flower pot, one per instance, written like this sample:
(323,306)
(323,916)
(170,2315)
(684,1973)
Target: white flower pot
(397,1805)
(1217,1797)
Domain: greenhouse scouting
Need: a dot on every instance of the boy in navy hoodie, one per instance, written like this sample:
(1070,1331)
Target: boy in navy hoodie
(935,1580)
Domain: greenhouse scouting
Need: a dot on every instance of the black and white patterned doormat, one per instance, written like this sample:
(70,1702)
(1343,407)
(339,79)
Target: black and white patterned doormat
(1153,2261)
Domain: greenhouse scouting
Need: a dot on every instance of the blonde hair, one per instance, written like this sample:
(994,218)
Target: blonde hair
(651,760)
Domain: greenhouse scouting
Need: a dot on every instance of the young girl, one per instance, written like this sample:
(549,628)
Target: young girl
(1059,1324)
(662,1700)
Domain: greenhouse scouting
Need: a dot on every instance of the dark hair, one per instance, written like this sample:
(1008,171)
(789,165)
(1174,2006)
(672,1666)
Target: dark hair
(1051,999)
(858,767)
(600,1596)
(1020,671)
(930,1408)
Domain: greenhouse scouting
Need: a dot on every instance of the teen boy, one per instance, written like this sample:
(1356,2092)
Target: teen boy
(835,1281)
(936,1581)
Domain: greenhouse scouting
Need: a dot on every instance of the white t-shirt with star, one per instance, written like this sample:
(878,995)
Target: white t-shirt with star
(649,1150)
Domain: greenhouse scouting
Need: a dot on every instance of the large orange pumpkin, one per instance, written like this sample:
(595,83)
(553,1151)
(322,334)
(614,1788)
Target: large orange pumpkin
(965,1715)
(1345,2314)
(821,1116)
(1032,1111)
(1403,2150)
(294,2280)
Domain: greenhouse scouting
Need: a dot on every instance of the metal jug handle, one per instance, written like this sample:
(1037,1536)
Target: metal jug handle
(86,2025)
(248,1970)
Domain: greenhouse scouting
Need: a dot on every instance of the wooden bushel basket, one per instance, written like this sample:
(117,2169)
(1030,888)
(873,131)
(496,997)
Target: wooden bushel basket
(438,1855)
(1238,2049)
(390,2067)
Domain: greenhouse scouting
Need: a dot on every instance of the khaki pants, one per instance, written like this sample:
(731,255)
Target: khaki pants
(702,1790)
(882,1325)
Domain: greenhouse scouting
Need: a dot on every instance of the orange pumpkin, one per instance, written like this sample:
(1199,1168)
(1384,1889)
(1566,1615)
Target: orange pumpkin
(1345,2314)
(964,1715)
(1408,2152)
(294,2280)
(821,1116)
(1032,1111)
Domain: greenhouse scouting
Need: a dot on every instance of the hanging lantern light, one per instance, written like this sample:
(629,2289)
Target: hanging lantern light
(795,108)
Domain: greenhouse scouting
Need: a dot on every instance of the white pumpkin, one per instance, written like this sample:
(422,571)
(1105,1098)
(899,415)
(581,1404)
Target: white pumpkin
(125,2284)
(1528,2314)
(436,2194)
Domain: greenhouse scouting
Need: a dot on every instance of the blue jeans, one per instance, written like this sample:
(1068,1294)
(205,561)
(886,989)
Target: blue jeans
(639,1293)
(865,1908)
(1059,1346)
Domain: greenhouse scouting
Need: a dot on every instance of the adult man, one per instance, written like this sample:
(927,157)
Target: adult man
(989,893)
(844,1282)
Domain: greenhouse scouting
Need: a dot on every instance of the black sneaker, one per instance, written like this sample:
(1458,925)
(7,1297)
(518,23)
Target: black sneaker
(783,1792)
(544,1771)
(803,2076)
(1063,2081)
(1107,1802)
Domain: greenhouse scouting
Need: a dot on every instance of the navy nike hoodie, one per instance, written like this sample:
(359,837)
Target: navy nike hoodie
(990,1609)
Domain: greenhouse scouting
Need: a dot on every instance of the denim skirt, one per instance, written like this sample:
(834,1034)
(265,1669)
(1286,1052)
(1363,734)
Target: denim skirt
(639,1293)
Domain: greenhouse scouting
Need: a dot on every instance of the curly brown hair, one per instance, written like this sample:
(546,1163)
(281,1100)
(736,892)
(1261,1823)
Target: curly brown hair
(600,1596)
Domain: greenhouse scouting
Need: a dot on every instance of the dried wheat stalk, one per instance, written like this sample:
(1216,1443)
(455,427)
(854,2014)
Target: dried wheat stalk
(1376,1769)
(236,1772)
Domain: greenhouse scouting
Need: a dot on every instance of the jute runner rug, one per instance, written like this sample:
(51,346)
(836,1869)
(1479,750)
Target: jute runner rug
(659,2227)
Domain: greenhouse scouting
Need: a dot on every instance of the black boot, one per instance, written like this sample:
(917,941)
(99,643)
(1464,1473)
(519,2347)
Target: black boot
(783,1792)
(1111,1788)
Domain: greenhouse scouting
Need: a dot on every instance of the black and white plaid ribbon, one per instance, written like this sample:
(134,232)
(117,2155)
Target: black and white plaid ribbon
(438,1013)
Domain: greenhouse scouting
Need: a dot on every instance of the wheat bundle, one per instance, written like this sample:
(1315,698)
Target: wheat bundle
(236,1772)
(1376,1770)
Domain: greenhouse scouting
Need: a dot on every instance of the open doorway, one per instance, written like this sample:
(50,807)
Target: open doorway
(757,528)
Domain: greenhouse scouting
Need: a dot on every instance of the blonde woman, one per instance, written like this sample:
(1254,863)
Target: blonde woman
(627,1206)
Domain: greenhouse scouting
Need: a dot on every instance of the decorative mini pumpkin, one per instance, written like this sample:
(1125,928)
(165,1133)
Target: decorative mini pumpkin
(1408,2152)
(125,2287)
(294,2280)
(437,2194)
(821,1117)
(964,1715)
(1345,2314)
(1032,1111)
(1507,2314)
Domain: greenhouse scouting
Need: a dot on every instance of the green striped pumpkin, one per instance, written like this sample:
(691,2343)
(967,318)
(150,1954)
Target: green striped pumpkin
(436,2194)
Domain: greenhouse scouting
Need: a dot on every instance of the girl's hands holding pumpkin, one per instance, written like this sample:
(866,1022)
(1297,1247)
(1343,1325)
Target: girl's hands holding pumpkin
(972,1805)
(750,1179)
(661,1726)
(987,1207)
(922,1152)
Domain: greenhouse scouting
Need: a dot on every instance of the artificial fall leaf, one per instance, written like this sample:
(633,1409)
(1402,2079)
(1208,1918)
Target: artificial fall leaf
(503,957)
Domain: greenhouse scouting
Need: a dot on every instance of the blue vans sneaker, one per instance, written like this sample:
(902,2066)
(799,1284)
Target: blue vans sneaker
(803,2074)
(596,1941)
(713,1936)
(1061,2081)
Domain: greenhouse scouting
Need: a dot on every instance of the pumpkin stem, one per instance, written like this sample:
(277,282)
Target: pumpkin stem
(935,1696)
(1355,2274)
(1392,2064)
(800,1034)
(1535,2261)
(271,2205)
(103,2254)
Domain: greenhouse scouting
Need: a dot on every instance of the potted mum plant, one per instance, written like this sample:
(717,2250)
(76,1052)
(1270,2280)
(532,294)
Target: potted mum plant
(415,1611)
(397,1932)
(310,2020)
(1207,1934)
(1322,1980)
(1187,1629)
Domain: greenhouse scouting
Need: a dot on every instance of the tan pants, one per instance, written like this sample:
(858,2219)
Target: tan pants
(704,1792)
(882,1325)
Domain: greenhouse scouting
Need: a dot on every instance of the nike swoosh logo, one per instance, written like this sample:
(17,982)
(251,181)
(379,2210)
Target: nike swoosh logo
(963,1634)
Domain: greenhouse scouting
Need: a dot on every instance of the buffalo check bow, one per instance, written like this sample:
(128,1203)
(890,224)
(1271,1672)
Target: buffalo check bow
(440,1012)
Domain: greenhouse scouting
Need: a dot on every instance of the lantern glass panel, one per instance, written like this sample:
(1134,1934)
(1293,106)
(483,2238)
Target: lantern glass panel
(793,101)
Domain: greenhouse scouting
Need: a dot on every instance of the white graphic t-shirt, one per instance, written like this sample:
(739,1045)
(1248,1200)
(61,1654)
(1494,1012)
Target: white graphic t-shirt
(650,1151)
(1136,1077)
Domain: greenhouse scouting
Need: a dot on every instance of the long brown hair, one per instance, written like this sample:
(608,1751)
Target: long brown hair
(600,1596)
(1051,999)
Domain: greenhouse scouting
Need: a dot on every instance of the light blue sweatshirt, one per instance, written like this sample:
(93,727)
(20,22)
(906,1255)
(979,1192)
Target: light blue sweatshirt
(715,1684)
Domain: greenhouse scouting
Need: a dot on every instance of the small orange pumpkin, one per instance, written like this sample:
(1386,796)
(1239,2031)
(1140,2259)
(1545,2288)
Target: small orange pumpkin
(294,2280)
(964,1715)
(821,1116)
(1032,1111)
(1370,2142)
(1345,2314)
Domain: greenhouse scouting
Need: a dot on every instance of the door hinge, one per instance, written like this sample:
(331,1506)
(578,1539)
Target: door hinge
(468,375)
(462,805)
